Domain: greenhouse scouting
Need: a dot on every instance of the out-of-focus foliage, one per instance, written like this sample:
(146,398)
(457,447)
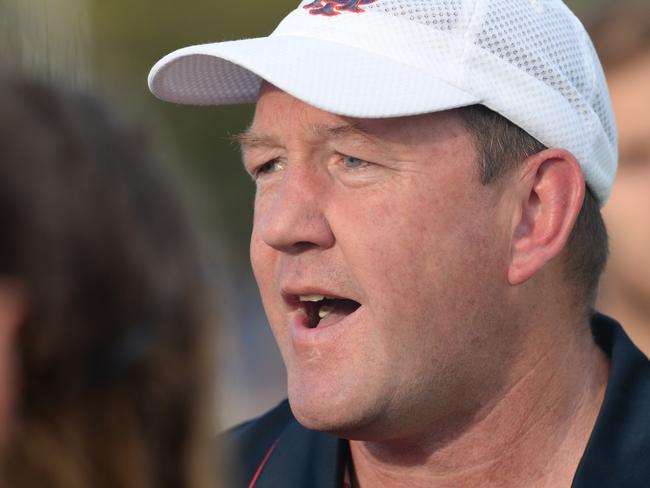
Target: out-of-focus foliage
(130,36)
(47,39)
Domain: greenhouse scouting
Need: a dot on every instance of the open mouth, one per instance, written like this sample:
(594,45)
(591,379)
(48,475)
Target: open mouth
(323,310)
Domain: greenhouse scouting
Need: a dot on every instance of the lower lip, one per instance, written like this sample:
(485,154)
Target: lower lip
(305,336)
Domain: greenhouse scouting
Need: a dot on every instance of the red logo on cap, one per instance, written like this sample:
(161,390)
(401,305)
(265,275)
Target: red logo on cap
(325,7)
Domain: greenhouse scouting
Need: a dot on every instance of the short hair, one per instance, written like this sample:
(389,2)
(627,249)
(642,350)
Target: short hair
(502,146)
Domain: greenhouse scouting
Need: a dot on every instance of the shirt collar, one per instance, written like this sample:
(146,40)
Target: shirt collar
(618,451)
(305,458)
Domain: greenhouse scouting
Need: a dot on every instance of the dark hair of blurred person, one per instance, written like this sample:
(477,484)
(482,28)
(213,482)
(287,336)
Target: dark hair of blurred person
(622,38)
(103,306)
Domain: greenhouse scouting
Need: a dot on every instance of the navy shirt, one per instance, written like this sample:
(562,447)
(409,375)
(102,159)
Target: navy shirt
(276,451)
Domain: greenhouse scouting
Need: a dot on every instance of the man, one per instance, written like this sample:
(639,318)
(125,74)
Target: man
(428,264)
(622,37)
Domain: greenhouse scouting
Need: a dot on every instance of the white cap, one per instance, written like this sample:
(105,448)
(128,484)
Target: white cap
(529,60)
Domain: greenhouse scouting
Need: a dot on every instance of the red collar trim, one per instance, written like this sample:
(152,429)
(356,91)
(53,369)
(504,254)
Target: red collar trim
(262,464)
(347,483)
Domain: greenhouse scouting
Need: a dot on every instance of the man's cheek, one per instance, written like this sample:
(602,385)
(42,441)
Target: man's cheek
(262,263)
(259,252)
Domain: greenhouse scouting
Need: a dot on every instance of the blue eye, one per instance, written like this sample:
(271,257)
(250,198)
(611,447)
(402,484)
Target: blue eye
(352,163)
(269,167)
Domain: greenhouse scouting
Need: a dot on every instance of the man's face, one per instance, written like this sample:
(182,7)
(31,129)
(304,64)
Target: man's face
(388,218)
(626,213)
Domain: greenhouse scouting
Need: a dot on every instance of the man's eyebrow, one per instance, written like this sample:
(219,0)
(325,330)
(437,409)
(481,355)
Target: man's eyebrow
(249,138)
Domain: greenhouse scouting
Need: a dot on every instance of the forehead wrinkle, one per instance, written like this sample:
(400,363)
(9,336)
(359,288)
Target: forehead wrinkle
(334,131)
(352,131)
(250,138)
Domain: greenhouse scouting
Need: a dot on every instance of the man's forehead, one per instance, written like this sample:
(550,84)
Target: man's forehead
(320,125)
(273,102)
(273,135)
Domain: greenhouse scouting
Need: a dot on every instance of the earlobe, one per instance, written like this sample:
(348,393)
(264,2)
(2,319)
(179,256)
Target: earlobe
(552,189)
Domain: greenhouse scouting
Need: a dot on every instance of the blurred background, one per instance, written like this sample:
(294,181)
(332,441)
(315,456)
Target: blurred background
(109,46)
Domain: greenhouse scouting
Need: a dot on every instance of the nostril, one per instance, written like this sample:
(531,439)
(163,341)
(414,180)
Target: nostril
(300,247)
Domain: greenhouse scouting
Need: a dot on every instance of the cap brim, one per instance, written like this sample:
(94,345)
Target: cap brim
(331,76)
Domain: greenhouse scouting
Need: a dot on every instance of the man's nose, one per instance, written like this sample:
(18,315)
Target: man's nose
(295,219)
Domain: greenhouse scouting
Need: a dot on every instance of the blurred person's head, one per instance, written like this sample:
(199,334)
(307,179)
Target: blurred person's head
(103,304)
(622,38)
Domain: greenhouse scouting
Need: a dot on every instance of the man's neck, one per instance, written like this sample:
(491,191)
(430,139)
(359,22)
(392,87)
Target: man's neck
(533,435)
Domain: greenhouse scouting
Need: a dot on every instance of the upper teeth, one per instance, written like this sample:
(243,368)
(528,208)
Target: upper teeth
(313,298)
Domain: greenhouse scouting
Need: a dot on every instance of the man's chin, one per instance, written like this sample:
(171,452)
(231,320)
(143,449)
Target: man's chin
(343,418)
(315,415)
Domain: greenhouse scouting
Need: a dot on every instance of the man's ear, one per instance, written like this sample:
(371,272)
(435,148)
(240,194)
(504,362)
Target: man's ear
(550,189)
